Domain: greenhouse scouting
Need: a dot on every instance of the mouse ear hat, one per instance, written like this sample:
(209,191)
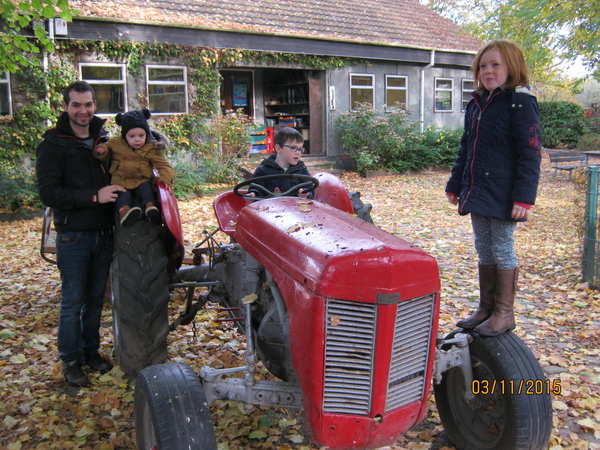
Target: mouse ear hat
(134,119)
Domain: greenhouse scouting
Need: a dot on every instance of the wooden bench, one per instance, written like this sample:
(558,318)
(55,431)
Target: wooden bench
(564,160)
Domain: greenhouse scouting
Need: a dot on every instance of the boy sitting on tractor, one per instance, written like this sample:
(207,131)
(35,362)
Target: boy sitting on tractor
(288,145)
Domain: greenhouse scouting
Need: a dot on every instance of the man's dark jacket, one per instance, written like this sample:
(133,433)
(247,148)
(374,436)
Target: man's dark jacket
(69,178)
(499,157)
(270,167)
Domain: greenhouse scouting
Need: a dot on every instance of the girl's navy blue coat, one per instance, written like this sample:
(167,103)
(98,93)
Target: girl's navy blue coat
(499,157)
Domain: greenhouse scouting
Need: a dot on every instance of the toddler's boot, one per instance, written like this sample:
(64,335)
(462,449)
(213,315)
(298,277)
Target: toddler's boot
(129,215)
(152,213)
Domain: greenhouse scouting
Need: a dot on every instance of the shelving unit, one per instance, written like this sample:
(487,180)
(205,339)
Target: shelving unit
(288,93)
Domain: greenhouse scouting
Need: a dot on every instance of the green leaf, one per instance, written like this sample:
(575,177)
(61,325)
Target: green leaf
(23,21)
(66,15)
(63,5)
(25,6)
(37,5)
(266,422)
(257,434)
(49,12)
(6,334)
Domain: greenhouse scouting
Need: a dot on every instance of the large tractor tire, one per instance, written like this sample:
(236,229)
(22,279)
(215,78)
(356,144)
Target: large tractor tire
(140,296)
(171,411)
(511,409)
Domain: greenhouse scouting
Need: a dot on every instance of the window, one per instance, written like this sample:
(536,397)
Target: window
(468,86)
(5,102)
(362,88)
(444,88)
(395,92)
(108,81)
(167,89)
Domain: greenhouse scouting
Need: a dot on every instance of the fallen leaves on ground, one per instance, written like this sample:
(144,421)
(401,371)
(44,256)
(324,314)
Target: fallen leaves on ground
(557,317)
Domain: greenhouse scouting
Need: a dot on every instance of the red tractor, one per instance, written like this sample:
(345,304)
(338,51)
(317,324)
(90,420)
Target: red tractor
(344,314)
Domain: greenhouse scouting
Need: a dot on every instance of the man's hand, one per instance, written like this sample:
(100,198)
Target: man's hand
(109,194)
(100,150)
(302,194)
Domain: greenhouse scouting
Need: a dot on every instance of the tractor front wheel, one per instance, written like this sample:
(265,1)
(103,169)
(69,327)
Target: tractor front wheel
(511,408)
(171,411)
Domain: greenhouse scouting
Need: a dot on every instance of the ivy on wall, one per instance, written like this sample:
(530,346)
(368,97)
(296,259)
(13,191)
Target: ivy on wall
(38,92)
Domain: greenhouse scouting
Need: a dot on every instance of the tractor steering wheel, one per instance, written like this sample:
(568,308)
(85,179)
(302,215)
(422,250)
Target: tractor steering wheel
(309,185)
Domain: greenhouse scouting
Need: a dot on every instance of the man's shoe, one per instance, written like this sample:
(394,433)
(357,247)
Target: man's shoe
(74,373)
(98,362)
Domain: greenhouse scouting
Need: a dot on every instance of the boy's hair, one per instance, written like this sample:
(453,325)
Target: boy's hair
(284,134)
(78,86)
(515,63)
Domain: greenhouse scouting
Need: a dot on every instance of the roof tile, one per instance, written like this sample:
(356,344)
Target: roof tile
(394,22)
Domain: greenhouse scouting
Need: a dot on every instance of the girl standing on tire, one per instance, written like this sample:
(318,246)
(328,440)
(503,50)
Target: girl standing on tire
(495,176)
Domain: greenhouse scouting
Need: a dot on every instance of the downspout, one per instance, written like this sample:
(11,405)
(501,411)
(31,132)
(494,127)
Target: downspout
(422,99)
(45,65)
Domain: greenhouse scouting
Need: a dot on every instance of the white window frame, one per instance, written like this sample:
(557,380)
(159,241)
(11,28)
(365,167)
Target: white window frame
(160,82)
(361,86)
(440,90)
(6,81)
(466,93)
(93,82)
(395,88)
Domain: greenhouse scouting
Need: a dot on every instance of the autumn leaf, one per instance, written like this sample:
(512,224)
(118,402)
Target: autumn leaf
(556,314)
(257,434)
(250,298)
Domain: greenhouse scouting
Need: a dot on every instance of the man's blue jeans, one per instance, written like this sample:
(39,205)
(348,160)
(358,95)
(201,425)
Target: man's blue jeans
(84,259)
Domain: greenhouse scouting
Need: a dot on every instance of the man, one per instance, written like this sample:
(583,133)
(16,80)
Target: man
(75,185)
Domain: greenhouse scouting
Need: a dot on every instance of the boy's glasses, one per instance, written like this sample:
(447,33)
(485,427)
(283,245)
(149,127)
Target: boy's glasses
(294,149)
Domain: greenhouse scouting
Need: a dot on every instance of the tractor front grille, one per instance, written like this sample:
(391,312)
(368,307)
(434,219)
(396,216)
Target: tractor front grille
(410,352)
(349,349)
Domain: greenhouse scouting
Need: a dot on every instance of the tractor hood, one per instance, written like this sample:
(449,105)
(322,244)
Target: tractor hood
(334,254)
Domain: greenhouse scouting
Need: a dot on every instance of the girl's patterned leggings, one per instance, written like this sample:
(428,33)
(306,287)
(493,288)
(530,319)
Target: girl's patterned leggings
(495,241)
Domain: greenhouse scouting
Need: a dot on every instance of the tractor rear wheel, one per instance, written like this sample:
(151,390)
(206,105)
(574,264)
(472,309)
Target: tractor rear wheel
(511,409)
(171,411)
(140,296)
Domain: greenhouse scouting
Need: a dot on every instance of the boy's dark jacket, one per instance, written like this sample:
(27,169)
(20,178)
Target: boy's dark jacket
(270,167)
(69,177)
(499,157)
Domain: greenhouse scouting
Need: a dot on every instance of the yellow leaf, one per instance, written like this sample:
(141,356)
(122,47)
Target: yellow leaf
(588,423)
(251,298)
(295,438)
(85,431)
(286,422)
(257,434)
(18,359)
(559,406)
(293,228)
